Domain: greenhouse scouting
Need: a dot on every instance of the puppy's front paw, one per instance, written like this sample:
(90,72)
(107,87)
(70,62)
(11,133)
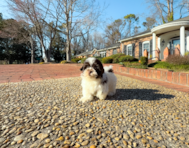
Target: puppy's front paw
(85,99)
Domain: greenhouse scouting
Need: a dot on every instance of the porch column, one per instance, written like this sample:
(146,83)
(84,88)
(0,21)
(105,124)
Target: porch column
(154,46)
(182,40)
(187,40)
(159,43)
(122,48)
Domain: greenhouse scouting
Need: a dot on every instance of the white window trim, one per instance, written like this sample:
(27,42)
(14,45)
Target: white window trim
(128,49)
(143,46)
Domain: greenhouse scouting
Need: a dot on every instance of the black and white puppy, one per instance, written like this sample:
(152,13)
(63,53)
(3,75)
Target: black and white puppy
(97,80)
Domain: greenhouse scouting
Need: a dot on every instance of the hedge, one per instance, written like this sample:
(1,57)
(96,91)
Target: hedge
(75,60)
(107,60)
(144,60)
(126,58)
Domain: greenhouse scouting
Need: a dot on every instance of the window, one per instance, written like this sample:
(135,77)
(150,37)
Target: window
(114,51)
(146,46)
(96,54)
(103,54)
(125,49)
(129,48)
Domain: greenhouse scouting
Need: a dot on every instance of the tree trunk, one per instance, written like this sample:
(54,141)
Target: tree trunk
(49,54)
(68,51)
(45,58)
(32,50)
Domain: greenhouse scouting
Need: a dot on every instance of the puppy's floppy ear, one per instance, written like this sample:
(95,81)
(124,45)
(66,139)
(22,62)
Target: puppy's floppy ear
(81,68)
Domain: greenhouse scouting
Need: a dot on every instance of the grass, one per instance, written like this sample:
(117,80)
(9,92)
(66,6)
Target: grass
(135,65)
(168,66)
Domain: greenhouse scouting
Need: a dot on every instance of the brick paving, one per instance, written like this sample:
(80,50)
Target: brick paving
(23,73)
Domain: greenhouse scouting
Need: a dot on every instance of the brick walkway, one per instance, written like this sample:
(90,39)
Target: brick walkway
(22,73)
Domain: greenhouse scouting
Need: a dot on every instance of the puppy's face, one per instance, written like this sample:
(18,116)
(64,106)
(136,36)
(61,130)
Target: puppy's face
(92,67)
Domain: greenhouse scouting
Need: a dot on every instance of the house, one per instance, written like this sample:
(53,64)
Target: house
(160,42)
(156,44)
(87,54)
(104,52)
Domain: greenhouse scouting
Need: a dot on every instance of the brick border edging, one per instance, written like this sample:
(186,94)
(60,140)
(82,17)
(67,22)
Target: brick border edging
(161,75)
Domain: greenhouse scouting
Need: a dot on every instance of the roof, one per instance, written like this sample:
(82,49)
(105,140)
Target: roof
(148,32)
(87,52)
(182,19)
(141,33)
(170,26)
(113,45)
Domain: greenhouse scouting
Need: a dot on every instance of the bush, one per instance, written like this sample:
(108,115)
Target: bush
(144,60)
(178,60)
(186,54)
(41,63)
(99,58)
(63,62)
(75,60)
(83,60)
(135,65)
(116,57)
(166,65)
(126,58)
(107,60)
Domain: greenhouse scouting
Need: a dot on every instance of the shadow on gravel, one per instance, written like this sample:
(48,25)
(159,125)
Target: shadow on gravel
(139,94)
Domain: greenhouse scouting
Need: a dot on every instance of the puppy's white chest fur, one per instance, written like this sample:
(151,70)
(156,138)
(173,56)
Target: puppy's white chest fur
(91,86)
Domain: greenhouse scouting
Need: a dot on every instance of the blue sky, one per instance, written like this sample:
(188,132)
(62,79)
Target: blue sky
(116,9)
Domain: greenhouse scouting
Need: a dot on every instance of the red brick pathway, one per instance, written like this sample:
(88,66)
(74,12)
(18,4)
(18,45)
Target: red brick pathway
(21,73)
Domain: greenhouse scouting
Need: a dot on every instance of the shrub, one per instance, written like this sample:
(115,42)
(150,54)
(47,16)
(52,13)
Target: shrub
(144,60)
(116,60)
(75,60)
(126,58)
(99,58)
(41,63)
(178,60)
(166,65)
(135,65)
(83,60)
(186,54)
(117,55)
(107,60)
(63,62)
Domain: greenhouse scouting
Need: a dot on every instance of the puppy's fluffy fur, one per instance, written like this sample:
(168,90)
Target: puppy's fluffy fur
(97,80)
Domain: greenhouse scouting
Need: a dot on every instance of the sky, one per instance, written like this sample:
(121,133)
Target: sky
(116,9)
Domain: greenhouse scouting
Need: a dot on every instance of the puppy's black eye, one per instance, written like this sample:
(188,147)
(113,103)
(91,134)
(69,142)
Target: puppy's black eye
(85,65)
(81,68)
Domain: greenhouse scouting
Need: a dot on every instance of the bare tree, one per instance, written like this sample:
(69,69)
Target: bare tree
(150,23)
(37,14)
(165,9)
(82,14)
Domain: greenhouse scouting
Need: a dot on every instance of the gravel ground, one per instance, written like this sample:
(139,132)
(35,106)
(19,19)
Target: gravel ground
(47,114)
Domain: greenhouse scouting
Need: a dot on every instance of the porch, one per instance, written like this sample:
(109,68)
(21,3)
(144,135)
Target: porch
(170,39)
